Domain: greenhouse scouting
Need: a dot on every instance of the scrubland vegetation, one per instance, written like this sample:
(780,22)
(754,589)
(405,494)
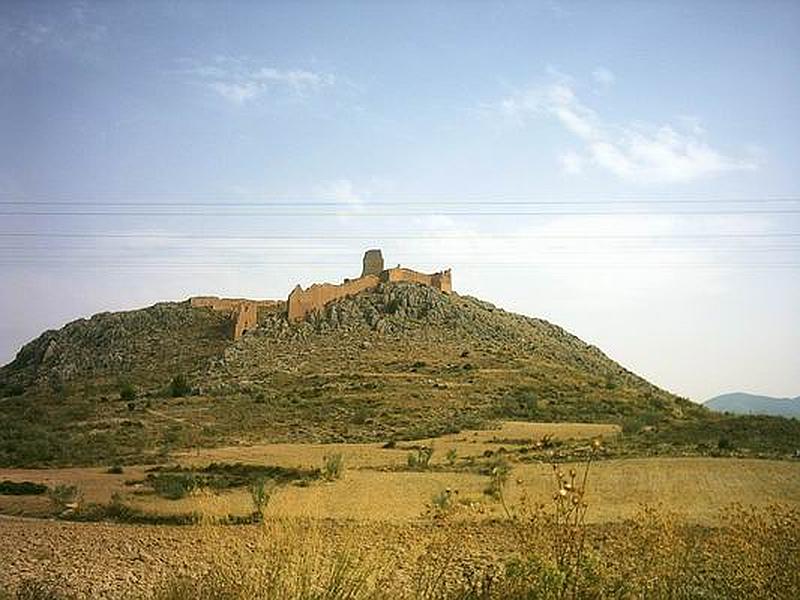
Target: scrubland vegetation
(372,406)
(542,548)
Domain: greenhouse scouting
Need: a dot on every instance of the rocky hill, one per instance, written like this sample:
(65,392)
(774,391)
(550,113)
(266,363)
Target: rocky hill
(133,345)
(395,362)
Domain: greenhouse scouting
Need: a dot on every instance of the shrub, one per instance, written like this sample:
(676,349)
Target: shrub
(179,386)
(63,495)
(442,503)
(420,458)
(173,486)
(115,470)
(521,403)
(22,488)
(451,456)
(127,393)
(333,467)
(14,389)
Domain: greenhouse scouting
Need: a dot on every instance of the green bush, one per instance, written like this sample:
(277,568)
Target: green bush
(13,389)
(127,393)
(173,486)
(22,488)
(520,403)
(62,495)
(179,386)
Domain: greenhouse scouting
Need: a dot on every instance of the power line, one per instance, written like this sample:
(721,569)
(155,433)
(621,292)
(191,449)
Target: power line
(433,213)
(373,235)
(267,264)
(399,202)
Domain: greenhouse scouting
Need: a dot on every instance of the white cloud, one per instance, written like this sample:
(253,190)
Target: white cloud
(571,163)
(635,152)
(603,76)
(241,80)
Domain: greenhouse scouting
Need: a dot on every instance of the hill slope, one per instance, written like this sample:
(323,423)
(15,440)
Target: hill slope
(751,404)
(397,362)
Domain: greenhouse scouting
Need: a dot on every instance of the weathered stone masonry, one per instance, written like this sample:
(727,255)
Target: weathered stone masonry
(244,312)
(302,302)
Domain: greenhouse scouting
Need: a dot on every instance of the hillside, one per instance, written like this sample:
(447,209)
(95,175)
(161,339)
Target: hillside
(751,404)
(400,361)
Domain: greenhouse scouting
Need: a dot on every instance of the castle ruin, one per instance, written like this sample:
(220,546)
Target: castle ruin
(244,312)
(302,302)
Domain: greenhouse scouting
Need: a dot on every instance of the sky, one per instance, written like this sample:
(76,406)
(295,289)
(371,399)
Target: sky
(627,170)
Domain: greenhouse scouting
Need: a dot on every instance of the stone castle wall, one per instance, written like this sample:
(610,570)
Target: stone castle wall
(224,304)
(246,319)
(441,281)
(302,302)
(243,312)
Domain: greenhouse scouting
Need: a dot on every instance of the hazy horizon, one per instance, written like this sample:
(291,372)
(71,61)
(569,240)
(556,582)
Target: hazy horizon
(639,188)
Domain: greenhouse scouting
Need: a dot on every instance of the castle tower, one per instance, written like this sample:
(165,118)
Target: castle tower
(373,263)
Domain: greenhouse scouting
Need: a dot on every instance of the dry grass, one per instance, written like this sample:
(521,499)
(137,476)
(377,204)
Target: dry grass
(374,456)
(752,554)
(695,488)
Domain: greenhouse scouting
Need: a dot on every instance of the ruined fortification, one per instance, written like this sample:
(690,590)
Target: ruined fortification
(244,313)
(302,302)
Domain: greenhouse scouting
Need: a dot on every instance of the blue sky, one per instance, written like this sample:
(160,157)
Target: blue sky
(405,124)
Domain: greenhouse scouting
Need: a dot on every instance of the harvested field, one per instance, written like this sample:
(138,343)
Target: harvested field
(465,443)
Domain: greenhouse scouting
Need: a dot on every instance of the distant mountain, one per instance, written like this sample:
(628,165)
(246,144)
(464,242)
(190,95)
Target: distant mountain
(751,404)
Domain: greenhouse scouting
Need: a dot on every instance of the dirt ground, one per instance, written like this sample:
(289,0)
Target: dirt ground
(100,561)
(376,502)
